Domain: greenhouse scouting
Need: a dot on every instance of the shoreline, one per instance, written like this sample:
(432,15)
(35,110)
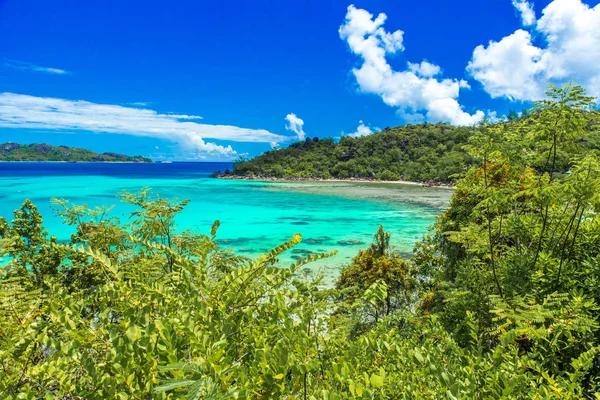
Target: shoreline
(357,180)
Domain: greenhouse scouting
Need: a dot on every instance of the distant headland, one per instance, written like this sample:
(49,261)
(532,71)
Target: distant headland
(42,152)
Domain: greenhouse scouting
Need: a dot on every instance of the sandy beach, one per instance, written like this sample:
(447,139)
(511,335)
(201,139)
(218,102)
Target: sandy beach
(357,180)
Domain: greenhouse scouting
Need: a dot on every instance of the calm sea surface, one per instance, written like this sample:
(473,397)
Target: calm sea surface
(255,216)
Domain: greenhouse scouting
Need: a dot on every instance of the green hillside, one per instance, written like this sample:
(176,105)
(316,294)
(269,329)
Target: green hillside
(423,152)
(412,152)
(45,152)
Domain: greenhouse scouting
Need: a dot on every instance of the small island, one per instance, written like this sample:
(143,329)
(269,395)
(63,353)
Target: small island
(42,152)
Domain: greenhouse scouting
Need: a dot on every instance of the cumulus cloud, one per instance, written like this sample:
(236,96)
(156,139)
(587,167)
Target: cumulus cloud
(295,125)
(518,69)
(23,111)
(525,9)
(509,68)
(362,130)
(424,69)
(25,66)
(416,91)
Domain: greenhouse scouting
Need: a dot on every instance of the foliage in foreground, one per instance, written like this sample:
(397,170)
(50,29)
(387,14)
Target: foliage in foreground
(501,301)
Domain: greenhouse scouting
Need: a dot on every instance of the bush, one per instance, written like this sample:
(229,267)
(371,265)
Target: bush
(388,175)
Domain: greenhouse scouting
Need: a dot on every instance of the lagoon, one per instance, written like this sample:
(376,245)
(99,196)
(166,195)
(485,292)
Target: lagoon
(255,215)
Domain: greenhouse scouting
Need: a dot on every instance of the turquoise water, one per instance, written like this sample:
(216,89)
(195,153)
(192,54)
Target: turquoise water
(255,216)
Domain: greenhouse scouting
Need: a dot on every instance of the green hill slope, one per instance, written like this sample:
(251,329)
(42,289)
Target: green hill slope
(420,152)
(46,152)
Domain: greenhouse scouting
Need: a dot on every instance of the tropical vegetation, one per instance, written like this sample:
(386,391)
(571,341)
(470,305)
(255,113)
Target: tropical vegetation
(45,152)
(432,153)
(420,152)
(500,300)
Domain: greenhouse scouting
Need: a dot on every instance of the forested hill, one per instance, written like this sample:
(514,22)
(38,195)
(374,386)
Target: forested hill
(46,152)
(420,152)
(423,152)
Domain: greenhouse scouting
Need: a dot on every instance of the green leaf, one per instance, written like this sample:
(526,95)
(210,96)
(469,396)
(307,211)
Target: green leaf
(133,333)
(174,384)
(376,381)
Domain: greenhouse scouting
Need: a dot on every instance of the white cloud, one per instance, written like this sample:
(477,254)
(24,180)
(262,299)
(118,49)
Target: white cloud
(25,66)
(23,111)
(425,69)
(509,68)
(525,9)
(415,91)
(362,130)
(139,104)
(517,68)
(295,125)
(183,116)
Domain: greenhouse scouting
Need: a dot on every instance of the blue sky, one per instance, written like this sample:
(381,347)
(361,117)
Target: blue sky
(135,76)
